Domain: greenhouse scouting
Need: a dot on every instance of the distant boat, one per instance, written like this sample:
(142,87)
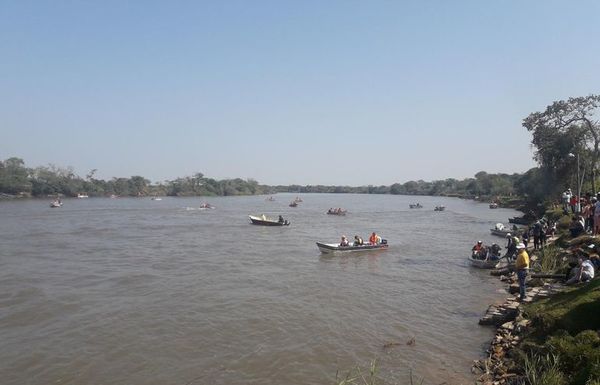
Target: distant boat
(270,199)
(294,204)
(439,208)
(84,195)
(206,206)
(298,199)
(264,221)
(335,248)
(501,230)
(56,203)
(415,206)
(493,205)
(337,211)
(156,198)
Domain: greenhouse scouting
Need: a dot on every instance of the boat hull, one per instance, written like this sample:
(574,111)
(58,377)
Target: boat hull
(266,222)
(334,248)
(483,264)
(500,233)
(519,221)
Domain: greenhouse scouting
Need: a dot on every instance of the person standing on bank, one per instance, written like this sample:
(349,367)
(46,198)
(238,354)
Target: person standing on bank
(522,266)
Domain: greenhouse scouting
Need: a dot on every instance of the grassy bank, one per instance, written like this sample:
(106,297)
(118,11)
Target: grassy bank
(562,346)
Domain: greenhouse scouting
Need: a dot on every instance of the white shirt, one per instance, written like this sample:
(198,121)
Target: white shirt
(588,268)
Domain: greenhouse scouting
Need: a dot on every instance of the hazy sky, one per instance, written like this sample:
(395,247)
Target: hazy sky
(305,92)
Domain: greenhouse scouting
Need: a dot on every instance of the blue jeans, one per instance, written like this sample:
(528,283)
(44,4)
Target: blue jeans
(522,274)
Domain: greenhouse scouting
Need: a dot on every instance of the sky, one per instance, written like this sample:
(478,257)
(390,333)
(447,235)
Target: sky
(288,92)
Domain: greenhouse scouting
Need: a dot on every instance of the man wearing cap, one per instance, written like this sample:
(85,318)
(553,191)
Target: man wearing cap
(522,266)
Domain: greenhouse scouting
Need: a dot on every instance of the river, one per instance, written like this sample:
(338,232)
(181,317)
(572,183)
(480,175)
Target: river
(136,291)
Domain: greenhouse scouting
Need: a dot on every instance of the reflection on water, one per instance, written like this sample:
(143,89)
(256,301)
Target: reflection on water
(126,291)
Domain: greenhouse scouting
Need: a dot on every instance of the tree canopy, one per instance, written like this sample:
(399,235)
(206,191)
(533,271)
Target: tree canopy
(565,132)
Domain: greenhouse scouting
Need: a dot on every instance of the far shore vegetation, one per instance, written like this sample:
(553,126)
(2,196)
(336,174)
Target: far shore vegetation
(16,179)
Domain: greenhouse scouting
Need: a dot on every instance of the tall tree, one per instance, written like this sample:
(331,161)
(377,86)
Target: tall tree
(572,123)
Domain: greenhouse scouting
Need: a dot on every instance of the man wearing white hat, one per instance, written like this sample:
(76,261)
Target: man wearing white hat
(522,266)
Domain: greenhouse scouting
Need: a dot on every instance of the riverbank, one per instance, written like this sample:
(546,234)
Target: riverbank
(552,337)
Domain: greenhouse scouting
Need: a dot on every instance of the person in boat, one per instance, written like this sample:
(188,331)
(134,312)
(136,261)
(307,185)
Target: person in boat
(263,217)
(281,220)
(344,242)
(374,239)
(478,250)
(358,241)
(494,252)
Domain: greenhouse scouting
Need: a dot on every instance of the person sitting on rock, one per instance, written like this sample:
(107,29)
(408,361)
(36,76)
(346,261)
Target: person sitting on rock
(583,273)
(576,227)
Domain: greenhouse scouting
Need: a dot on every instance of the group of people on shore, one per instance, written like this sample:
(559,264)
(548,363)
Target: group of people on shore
(585,220)
(374,239)
(585,211)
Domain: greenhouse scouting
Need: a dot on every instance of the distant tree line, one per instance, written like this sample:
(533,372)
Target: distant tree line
(17,179)
(482,185)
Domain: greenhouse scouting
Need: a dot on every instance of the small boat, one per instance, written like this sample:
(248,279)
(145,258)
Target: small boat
(415,206)
(206,206)
(439,208)
(335,248)
(298,200)
(520,220)
(294,204)
(501,230)
(264,221)
(493,205)
(82,196)
(270,199)
(488,257)
(56,204)
(337,212)
(483,263)
(156,198)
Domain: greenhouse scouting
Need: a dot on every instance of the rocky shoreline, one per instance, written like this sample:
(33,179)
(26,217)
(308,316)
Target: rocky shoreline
(499,367)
